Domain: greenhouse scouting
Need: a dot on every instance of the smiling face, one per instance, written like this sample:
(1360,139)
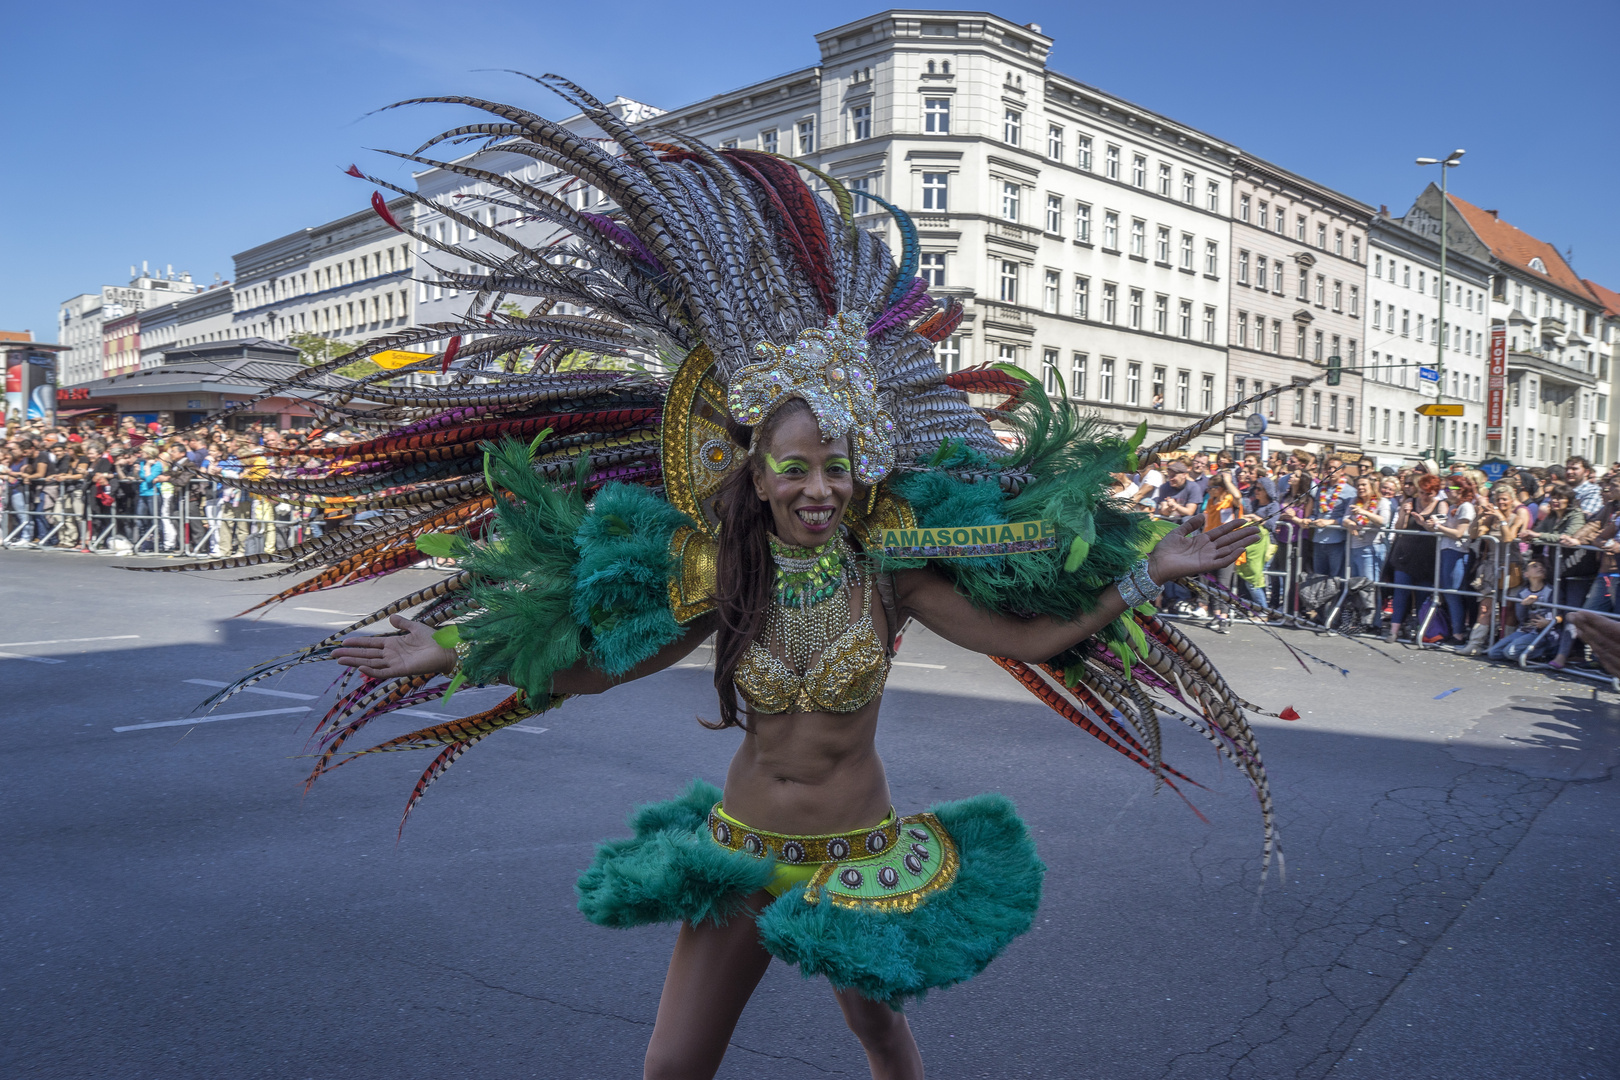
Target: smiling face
(807,482)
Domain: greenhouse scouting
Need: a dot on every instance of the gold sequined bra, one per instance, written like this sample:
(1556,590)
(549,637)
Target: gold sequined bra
(849,672)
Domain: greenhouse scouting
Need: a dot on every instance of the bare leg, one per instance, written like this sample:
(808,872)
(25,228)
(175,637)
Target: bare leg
(711,976)
(885,1036)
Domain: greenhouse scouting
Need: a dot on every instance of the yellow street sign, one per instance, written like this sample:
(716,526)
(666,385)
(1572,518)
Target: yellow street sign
(397,358)
(1440,410)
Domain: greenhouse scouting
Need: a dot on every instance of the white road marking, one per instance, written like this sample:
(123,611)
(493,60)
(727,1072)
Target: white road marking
(211,719)
(530,730)
(427,715)
(691,665)
(35,659)
(333,611)
(908,663)
(256,690)
(68,640)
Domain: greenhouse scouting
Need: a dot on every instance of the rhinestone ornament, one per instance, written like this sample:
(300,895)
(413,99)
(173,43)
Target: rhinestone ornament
(827,369)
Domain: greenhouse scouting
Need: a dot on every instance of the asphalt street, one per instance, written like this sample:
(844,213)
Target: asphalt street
(174,905)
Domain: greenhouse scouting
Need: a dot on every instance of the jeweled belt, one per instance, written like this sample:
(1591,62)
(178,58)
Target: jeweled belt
(728,832)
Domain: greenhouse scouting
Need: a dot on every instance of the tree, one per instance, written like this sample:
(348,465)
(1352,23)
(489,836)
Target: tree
(314,349)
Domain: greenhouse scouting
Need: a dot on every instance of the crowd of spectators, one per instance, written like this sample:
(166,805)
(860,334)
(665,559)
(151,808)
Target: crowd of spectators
(1444,554)
(1403,552)
(149,489)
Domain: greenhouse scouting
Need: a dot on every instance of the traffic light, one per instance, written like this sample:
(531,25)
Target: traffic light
(1335,371)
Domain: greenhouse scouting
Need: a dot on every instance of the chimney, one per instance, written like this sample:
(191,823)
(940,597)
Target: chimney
(1491,212)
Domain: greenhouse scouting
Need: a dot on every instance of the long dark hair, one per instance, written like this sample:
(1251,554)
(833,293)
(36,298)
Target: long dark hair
(743,571)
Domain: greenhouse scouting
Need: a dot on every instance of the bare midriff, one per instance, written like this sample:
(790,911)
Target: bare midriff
(809,773)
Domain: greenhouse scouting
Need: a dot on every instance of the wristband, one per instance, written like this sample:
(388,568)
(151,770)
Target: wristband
(1138,586)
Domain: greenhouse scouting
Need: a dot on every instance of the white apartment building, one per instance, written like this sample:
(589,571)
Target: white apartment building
(1086,236)
(1556,388)
(1403,346)
(79,321)
(193,320)
(348,280)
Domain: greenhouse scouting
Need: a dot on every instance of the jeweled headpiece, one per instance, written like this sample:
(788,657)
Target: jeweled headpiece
(827,369)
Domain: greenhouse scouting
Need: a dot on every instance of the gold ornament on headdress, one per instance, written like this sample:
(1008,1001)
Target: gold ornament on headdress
(827,369)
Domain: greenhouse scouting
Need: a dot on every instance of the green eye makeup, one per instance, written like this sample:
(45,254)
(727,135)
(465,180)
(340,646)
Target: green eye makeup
(839,463)
(780,467)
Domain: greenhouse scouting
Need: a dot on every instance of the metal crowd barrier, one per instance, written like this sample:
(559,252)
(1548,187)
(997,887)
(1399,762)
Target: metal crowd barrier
(193,519)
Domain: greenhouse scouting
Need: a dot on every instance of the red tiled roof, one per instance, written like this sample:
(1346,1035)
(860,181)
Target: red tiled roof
(1516,247)
(1607,297)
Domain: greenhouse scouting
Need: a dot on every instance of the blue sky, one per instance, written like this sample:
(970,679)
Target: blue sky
(196,131)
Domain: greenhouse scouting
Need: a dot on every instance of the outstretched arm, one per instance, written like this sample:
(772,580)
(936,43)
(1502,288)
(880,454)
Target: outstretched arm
(933,601)
(390,656)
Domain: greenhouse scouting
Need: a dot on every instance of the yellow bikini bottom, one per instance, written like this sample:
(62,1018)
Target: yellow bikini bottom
(798,858)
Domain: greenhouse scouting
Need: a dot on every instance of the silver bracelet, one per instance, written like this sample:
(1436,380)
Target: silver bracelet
(1138,586)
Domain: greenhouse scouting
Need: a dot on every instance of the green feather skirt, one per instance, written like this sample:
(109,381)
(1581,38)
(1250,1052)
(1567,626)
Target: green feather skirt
(981,891)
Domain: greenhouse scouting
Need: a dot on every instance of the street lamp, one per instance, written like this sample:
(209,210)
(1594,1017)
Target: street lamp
(1450,161)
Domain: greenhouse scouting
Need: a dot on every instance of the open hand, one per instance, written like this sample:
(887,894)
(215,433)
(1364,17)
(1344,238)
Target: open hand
(1189,550)
(1603,635)
(389,657)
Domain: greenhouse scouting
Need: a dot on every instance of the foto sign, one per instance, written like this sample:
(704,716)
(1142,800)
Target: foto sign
(1496,394)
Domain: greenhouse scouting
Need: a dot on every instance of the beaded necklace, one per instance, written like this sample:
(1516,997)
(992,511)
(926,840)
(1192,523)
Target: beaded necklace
(807,576)
(811,605)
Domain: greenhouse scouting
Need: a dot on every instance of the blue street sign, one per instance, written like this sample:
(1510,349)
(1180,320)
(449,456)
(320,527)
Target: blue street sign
(1429,374)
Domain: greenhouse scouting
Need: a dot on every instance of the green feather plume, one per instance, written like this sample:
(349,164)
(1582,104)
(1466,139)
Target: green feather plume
(621,582)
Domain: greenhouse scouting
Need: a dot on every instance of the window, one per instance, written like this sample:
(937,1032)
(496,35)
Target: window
(1183,390)
(1184,320)
(1135,312)
(1261,215)
(860,118)
(1105,378)
(1321,291)
(1049,370)
(1212,196)
(1206,394)
(1299,340)
(767,141)
(936,190)
(1212,258)
(1338,241)
(1082,223)
(1243,328)
(1243,267)
(1082,297)
(1110,302)
(1355,248)
(858,188)
(1260,272)
(1161,247)
(1164,178)
(1277,277)
(1240,388)
(1138,171)
(1010,193)
(1161,314)
(1049,295)
(1318,355)
(1273,402)
(1111,162)
(1054,142)
(1077,374)
(932,266)
(1338,296)
(1158,384)
(1189,188)
(1333,412)
(949,352)
(1111,231)
(937,115)
(1321,237)
(1054,214)
(1419,327)
(1012,123)
(1138,237)
(1378,265)
(1009,282)
(1243,207)
(1209,323)
(1316,408)
(1082,144)
(1299,227)
(1186,251)
(1133,383)
(1355,299)
(1304,284)
(1007,354)
(1422,282)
